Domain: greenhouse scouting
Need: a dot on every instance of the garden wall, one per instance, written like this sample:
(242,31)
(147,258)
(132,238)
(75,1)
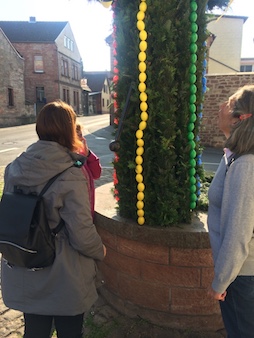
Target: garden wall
(220,87)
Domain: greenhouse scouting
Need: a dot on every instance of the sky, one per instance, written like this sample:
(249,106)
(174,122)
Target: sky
(91,23)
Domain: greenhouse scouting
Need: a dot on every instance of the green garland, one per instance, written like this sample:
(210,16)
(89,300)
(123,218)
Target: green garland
(166,169)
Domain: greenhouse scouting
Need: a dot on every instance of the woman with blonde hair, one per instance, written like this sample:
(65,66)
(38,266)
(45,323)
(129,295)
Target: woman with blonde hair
(231,216)
(63,291)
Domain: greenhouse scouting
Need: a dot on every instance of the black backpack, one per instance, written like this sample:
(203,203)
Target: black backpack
(26,239)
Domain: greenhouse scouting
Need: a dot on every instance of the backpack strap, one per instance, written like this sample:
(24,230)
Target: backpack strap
(52,180)
(60,225)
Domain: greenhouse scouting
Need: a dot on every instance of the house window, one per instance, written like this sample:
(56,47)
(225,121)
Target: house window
(103,102)
(75,72)
(10,97)
(105,88)
(246,68)
(65,67)
(66,95)
(68,43)
(65,41)
(40,95)
(38,64)
(75,98)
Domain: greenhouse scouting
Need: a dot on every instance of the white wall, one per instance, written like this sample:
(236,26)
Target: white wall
(225,51)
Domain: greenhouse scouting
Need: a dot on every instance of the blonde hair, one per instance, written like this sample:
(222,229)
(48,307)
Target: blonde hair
(241,139)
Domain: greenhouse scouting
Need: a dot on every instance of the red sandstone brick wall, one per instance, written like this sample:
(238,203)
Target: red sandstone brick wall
(220,87)
(48,79)
(171,280)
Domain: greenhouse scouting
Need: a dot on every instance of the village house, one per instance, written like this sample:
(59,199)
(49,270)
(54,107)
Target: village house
(52,62)
(99,96)
(12,89)
(224,54)
(247,65)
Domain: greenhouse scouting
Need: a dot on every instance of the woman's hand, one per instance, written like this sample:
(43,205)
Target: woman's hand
(217,296)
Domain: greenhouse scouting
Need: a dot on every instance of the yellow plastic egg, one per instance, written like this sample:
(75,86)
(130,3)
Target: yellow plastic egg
(141,220)
(140,196)
(142,87)
(142,67)
(140,204)
(143,35)
(142,56)
(140,142)
(143,46)
(139,178)
(144,116)
(140,25)
(139,159)
(142,77)
(139,133)
(140,213)
(140,151)
(141,187)
(143,96)
(143,106)
(142,125)
(143,6)
(139,170)
(140,15)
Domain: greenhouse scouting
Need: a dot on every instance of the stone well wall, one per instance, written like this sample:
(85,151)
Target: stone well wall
(159,274)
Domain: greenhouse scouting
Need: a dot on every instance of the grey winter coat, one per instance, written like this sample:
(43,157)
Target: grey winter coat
(231,221)
(67,287)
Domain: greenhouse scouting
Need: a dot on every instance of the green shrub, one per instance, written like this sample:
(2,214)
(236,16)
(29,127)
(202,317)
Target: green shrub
(203,199)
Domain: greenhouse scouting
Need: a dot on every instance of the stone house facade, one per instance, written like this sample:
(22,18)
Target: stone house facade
(52,62)
(12,89)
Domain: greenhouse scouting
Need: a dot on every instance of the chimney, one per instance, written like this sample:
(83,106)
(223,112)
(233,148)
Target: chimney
(32,19)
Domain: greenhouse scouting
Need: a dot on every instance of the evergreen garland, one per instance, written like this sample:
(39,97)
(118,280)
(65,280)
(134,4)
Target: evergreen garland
(166,156)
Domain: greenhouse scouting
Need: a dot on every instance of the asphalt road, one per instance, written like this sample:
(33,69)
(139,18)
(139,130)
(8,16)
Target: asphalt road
(211,158)
(14,140)
(99,134)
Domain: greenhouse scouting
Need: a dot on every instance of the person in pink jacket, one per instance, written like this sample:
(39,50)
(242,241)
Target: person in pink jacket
(92,167)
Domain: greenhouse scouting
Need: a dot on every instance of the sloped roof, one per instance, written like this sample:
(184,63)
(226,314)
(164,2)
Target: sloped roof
(95,80)
(244,18)
(24,31)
